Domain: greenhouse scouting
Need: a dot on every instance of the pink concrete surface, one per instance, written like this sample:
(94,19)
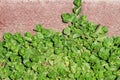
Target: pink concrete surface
(23,15)
(105,13)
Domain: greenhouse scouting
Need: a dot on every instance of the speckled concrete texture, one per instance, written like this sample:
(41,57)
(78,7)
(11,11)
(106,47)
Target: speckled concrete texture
(105,13)
(23,15)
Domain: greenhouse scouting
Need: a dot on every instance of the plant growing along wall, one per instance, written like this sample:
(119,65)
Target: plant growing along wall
(82,51)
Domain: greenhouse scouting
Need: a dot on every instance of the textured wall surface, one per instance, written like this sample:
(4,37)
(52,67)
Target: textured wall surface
(23,15)
(105,13)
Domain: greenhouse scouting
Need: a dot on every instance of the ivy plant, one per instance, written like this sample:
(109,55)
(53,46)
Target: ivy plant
(82,51)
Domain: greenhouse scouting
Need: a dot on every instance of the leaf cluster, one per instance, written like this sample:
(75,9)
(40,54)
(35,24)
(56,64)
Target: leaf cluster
(82,51)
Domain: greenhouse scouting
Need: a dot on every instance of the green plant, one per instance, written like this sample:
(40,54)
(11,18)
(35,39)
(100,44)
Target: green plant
(82,51)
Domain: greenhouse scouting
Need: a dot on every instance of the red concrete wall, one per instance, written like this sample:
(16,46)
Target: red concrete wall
(23,15)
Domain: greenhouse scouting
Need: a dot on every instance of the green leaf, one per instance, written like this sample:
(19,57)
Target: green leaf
(77,3)
(104,53)
(76,10)
(58,51)
(66,17)
(101,29)
(28,36)
(108,42)
(7,36)
(116,40)
(67,31)
(39,35)
(76,35)
(73,67)
(52,74)
(18,37)
(19,67)
(38,28)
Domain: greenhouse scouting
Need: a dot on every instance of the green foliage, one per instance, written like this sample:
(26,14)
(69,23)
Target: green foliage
(66,17)
(81,52)
(77,3)
(67,31)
